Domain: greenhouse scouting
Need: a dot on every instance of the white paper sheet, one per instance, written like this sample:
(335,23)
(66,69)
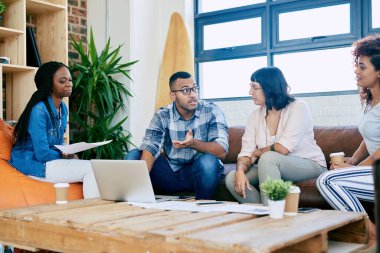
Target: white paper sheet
(193,207)
(80,146)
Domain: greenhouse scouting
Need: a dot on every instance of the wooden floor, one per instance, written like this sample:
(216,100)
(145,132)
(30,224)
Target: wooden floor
(105,226)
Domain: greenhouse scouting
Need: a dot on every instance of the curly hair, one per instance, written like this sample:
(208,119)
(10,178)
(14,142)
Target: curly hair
(44,83)
(368,46)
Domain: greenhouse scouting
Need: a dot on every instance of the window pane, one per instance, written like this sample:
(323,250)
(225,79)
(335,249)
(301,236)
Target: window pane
(215,5)
(235,33)
(375,17)
(314,22)
(223,79)
(318,71)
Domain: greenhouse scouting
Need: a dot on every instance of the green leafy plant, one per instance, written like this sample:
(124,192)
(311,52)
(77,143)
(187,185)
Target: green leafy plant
(3,7)
(275,189)
(97,98)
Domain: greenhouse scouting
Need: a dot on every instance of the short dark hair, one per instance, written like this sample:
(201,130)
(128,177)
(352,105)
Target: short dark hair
(179,74)
(275,87)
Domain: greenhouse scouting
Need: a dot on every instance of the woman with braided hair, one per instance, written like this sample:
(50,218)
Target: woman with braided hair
(41,126)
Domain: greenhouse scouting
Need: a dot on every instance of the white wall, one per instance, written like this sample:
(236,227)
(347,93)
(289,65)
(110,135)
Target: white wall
(142,25)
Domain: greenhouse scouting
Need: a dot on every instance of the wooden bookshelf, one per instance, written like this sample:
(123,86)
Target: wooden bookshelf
(52,41)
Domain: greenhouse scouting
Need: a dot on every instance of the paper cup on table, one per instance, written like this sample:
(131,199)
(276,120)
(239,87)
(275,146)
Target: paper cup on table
(61,192)
(337,157)
(291,201)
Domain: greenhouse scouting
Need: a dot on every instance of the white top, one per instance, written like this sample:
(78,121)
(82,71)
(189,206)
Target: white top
(294,132)
(369,128)
(337,154)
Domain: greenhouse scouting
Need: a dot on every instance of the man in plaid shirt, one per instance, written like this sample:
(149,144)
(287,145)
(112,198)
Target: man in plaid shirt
(193,135)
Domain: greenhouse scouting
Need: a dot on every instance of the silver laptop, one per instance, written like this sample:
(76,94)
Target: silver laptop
(125,180)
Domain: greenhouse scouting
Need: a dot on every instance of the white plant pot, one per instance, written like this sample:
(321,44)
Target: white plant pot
(276,208)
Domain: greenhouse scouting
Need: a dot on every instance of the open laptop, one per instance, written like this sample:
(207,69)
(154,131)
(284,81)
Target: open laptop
(125,180)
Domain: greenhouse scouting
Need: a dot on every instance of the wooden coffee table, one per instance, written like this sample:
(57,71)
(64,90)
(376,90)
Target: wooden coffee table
(105,226)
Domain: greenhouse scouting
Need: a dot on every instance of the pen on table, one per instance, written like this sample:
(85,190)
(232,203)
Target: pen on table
(210,203)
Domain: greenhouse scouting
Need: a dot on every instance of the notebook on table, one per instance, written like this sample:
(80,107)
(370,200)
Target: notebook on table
(125,180)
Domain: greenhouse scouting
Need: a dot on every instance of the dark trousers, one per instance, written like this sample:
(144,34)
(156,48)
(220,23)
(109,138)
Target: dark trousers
(201,176)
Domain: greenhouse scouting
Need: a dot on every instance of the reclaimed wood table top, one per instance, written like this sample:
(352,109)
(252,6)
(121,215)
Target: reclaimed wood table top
(106,226)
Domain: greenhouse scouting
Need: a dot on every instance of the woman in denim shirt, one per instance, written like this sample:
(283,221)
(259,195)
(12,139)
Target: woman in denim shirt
(41,126)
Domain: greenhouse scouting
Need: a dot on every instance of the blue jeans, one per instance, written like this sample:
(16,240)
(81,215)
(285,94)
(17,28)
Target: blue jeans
(201,176)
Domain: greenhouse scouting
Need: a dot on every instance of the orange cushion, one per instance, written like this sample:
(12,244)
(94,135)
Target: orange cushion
(5,141)
(18,190)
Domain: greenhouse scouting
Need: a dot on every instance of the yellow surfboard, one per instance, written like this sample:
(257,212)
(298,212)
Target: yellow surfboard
(178,56)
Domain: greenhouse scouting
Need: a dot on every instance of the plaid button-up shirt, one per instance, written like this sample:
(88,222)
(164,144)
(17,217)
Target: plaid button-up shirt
(207,123)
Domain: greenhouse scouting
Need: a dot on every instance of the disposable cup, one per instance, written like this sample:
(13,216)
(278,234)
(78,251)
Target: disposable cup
(291,201)
(61,192)
(337,157)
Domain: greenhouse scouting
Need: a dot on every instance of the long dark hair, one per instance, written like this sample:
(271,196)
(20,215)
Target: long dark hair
(44,83)
(368,46)
(275,87)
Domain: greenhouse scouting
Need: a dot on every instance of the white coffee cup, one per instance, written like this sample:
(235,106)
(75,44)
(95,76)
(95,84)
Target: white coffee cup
(337,157)
(61,192)
(291,201)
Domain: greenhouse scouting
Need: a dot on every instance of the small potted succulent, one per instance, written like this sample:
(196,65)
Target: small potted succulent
(276,190)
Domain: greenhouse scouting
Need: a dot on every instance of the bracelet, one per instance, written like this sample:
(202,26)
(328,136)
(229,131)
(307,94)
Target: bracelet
(272,148)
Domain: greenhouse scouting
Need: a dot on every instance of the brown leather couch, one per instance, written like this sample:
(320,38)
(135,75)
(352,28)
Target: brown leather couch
(330,139)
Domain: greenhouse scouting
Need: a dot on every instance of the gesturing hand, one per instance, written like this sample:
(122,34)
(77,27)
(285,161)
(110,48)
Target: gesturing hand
(186,143)
(69,156)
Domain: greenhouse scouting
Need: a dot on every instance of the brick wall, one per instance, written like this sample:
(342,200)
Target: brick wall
(77,27)
(77,24)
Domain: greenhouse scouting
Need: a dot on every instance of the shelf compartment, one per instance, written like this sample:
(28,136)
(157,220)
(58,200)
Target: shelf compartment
(42,7)
(9,32)
(18,89)
(13,68)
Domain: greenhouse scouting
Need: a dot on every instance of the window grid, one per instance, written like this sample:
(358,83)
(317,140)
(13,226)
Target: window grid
(360,26)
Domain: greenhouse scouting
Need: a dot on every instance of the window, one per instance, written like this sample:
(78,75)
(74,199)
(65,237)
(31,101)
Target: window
(318,71)
(308,23)
(215,5)
(375,5)
(228,78)
(233,33)
(310,41)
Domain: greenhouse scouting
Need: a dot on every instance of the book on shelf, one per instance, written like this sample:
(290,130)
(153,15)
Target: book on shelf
(32,54)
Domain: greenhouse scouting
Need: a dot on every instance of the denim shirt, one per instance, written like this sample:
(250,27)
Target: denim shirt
(38,149)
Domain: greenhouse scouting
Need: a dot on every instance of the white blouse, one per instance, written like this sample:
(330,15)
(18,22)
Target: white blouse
(294,132)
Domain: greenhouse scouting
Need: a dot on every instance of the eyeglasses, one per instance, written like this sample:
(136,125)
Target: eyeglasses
(255,87)
(187,91)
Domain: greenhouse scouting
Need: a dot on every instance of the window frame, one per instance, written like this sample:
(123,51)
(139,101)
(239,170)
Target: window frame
(269,11)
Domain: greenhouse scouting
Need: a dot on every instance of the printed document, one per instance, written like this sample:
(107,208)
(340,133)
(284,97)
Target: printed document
(193,207)
(79,147)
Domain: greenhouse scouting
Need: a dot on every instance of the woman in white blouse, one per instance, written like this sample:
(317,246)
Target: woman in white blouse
(279,134)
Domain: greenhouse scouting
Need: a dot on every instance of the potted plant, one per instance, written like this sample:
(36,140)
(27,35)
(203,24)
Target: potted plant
(97,98)
(276,190)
